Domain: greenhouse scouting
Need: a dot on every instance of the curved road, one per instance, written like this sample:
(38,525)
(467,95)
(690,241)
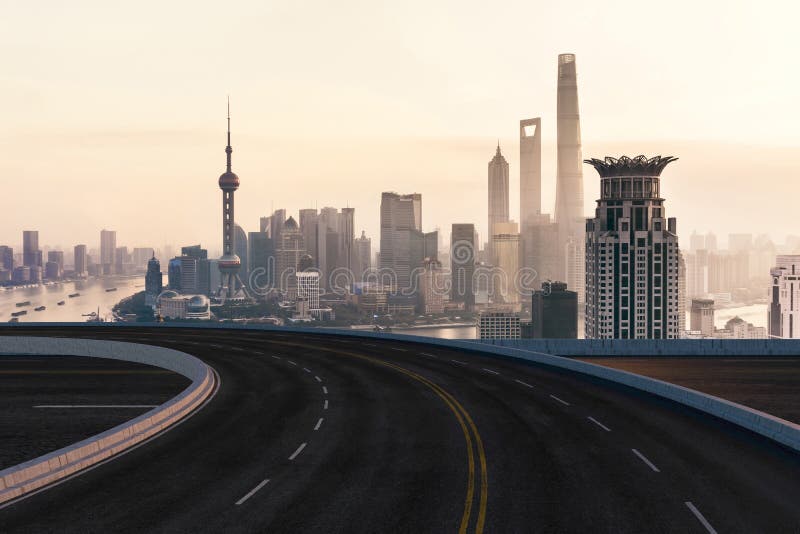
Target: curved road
(326,434)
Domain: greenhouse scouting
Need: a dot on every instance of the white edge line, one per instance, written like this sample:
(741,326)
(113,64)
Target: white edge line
(598,423)
(700,517)
(650,464)
(319,423)
(118,455)
(523,383)
(252,491)
(562,401)
(296,453)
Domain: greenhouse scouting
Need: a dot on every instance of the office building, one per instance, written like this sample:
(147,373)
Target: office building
(122,260)
(141,255)
(289,250)
(738,328)
(554,312)
(309,225)
(308,288)
(261,258)
(401,215)
(433,287)
(569,215)
(81,260)
(462,261)
(498,325)
(21,274)
(498,194)
(347,237)
(31,255)
(363,248)
(702,317)
(631,254)
(108,247)
(152,282)
(506,253)
(195,251)
(6,258)
(784,308)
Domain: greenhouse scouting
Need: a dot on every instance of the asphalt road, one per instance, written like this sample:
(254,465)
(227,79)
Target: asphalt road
(49,402)
(313,434)
(767,383)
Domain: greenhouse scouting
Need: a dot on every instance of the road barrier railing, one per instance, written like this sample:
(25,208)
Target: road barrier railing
(34,474)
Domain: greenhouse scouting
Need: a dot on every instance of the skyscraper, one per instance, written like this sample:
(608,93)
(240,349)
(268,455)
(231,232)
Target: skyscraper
(400,216)
(309,219)
(783,316)
(462,259)
(363,249)
(569,213)
(6,258)
(108,247)
(554,312)
(530,171)
(289,250)
(631,254)
(229,263)
(31,255)
(506,253)
(347,236)
(80,260)
(152,281)
(498,194)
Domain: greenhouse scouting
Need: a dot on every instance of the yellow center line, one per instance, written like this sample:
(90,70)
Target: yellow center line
(461,415)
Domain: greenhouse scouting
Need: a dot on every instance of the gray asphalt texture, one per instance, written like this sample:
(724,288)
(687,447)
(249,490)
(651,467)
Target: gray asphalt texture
(30,381)
(769,384)
(391,455)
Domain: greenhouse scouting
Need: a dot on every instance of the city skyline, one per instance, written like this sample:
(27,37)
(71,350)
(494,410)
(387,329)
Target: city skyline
(68,136)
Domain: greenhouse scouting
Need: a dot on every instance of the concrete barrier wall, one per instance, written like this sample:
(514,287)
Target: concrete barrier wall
(650,347)
(34,474)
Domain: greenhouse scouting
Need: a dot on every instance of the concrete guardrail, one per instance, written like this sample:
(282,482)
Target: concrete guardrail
(29,476)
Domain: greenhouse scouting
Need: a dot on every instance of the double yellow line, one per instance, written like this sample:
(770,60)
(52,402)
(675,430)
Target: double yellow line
(471,436)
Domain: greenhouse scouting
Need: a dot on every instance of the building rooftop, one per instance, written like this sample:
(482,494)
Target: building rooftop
(625,166)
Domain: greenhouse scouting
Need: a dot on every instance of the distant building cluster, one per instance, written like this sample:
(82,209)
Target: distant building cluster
(619,274)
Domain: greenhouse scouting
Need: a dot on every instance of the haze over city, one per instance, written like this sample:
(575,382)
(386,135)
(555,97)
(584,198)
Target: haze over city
(115,118)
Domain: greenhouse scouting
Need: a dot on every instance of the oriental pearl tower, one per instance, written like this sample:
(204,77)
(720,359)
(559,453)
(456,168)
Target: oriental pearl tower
(229,263)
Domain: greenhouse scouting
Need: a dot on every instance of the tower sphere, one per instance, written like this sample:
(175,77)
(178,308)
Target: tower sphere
(228,181)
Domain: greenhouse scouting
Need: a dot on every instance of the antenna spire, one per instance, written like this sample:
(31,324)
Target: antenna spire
(228,149)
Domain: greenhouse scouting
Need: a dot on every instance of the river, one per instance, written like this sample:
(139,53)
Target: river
(93,295)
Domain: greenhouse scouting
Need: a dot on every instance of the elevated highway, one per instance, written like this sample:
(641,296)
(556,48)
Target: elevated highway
(317,433)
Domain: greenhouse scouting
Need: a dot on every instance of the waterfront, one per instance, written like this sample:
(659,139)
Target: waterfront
(93,295)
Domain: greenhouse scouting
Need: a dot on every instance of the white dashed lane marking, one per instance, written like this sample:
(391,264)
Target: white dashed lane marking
(296,453)
(459,362)
(319,424)
(318,379)
(325,406)
(324,390)
(700,517)
(490,371)
(252,491)
(642,457)
(523,383)
(562,401)
(598,423)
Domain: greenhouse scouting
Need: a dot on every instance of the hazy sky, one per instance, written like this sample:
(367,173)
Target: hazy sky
(114,113)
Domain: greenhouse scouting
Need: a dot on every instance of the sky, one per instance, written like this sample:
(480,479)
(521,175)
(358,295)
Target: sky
(114,114)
